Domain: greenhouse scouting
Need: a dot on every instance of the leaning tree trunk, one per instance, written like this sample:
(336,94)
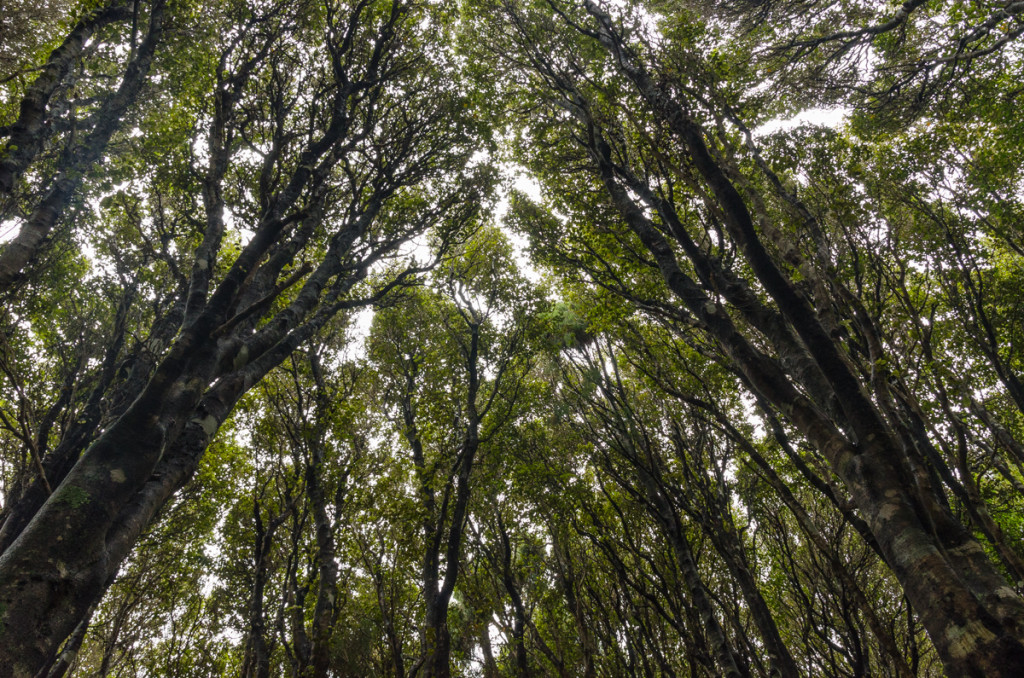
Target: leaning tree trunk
(19,252)
(974,619)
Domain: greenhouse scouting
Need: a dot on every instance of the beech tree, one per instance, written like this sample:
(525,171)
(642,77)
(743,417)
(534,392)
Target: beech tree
(478,326)
(51,114)
(326,136)
(720,241)
(294,381)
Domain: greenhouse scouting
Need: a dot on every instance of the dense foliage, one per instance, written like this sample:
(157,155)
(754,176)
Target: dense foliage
(294,381)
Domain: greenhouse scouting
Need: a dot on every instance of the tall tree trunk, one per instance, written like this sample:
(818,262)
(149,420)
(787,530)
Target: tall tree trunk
(518,609)
(437,641)
(664,513)
(19,252)
(325,608)
(566,580)
(975,620)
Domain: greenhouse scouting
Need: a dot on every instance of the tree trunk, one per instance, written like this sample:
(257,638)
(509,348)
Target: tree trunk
(975,621)
(436,642)
(20,251)
(663,512)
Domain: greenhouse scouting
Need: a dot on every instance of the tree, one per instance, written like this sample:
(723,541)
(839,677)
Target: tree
(621,110)
(454,361)
(329,133)
(48,115)
(278,396)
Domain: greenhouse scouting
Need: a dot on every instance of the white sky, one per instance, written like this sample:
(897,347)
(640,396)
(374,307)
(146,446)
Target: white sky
(825,117)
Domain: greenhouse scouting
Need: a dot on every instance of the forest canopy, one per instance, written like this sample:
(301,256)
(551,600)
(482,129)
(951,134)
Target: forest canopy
(432,338)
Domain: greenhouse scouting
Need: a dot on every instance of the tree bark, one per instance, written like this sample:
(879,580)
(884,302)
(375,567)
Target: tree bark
(20,251)
(25,136)
(975,620)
